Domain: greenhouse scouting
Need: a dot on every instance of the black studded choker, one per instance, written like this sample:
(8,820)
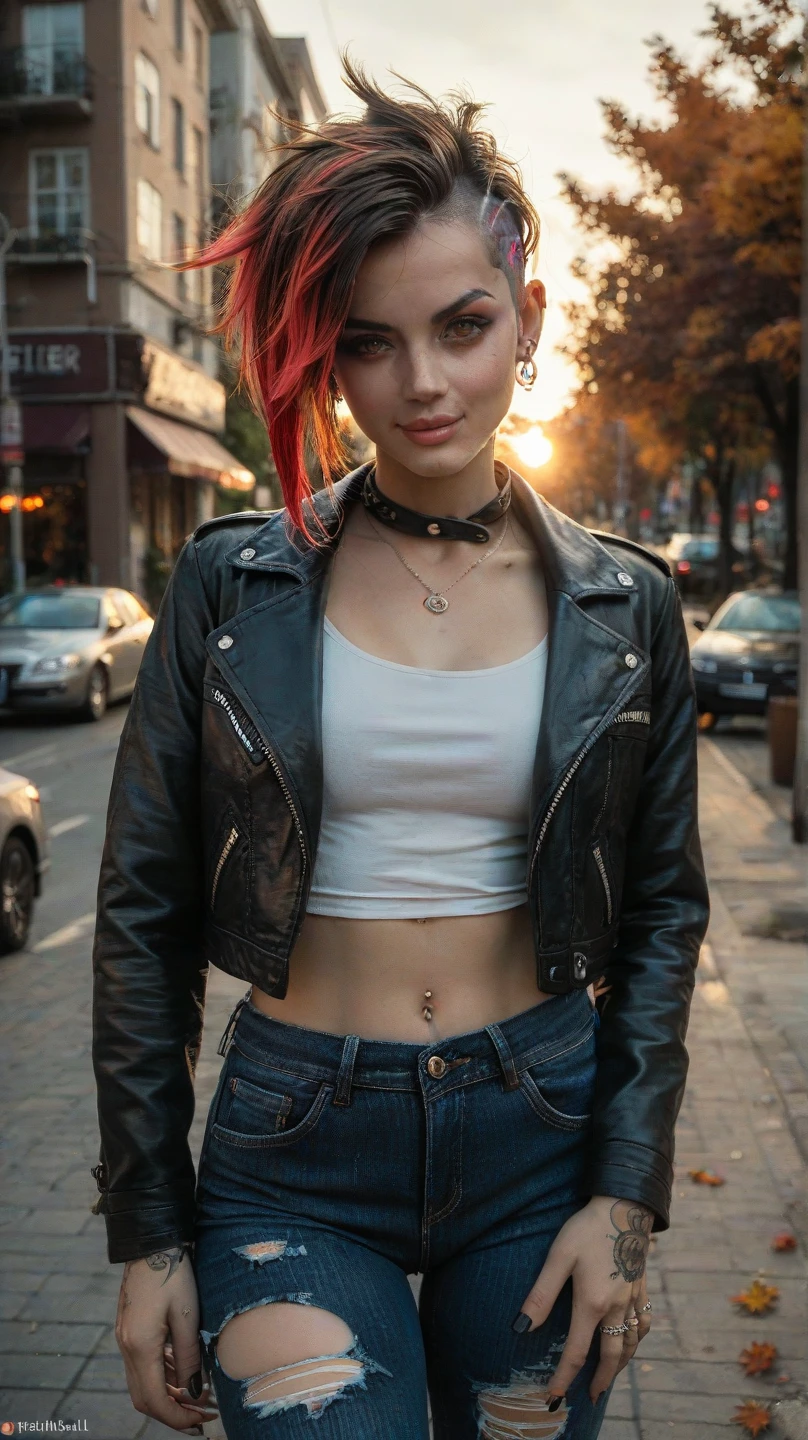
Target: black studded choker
(437,527)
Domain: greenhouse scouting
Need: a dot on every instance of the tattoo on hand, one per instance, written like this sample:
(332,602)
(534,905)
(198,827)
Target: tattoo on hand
(631,1241)
(169,1260)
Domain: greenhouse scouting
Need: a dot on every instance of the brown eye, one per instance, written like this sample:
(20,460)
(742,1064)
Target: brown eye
(467,327)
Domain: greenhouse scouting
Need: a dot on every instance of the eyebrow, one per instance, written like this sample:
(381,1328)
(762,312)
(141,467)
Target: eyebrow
(353,323)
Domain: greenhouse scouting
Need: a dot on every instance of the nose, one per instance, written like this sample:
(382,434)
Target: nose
(424,380)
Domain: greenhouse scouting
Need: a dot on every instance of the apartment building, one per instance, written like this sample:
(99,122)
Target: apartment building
(105,177)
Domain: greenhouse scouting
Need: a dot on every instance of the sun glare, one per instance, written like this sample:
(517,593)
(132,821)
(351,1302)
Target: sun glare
(532,447)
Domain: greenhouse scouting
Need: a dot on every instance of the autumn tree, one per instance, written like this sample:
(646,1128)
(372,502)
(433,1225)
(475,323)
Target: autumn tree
(690,331)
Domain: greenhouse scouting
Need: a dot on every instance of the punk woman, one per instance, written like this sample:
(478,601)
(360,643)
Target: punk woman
(414,758)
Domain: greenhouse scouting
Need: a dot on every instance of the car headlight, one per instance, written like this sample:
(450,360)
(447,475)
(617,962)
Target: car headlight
(57,664)
(701,662)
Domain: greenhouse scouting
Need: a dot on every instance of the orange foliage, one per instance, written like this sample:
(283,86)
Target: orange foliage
(758,1299)
(757,1358)
(784,1241)
(706,1177)
(753,1416)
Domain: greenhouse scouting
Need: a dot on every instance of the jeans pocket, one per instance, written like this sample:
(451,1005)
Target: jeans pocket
(561,1090)
(275,1108)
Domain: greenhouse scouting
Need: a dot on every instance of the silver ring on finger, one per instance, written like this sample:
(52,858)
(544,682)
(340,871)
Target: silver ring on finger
(613,1329)
(646,1306)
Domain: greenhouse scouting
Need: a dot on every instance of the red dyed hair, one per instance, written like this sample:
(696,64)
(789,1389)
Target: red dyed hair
(297,245)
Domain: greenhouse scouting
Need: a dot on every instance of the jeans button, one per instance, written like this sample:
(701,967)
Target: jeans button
(436,1065)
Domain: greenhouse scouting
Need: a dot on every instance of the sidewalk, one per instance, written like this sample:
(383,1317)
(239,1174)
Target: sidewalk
(745,1116)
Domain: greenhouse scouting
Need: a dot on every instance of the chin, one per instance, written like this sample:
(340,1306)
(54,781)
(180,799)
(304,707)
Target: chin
(436,462)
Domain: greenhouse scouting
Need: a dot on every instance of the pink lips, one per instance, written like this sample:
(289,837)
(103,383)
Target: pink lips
(434,430)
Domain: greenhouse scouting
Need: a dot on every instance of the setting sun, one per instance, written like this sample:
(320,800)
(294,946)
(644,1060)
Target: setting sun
(532,447)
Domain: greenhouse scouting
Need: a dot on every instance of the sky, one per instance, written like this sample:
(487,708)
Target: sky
(542,67)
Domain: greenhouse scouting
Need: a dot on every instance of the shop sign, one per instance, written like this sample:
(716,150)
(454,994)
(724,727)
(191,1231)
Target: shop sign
(59,364)
(179,388)
(11,451)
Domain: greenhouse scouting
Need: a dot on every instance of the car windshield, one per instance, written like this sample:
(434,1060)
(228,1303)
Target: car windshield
(49,612)
(762,612)
(700,550)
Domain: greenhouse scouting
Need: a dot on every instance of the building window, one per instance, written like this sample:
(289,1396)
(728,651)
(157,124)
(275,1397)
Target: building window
(179,26)
(53,47)
(180,243)
(179,135)
(200,189)
(149,220)
(147,99)
(199,56)
(60,191)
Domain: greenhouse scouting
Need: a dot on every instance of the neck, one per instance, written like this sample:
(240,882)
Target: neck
(458,494)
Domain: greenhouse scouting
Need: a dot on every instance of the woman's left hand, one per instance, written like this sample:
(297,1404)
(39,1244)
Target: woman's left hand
(603,1248)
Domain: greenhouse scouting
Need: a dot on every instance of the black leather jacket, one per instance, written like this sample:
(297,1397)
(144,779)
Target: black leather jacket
(215,812)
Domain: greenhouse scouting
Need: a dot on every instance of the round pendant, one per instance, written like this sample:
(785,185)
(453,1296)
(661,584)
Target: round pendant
(436,603)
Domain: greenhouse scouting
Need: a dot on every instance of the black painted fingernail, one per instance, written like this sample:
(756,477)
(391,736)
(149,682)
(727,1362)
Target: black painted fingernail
(521,1323)
(195,1385)
(554,1403)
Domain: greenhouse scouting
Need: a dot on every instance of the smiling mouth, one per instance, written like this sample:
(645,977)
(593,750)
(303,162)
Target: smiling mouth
(432,432)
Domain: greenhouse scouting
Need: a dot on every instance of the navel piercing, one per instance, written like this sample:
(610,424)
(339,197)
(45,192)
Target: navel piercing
(427,1009)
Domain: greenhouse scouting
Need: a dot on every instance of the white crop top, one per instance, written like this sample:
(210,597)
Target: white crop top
(426,786)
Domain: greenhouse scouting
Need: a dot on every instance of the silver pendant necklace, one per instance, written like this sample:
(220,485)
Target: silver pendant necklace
(436,602)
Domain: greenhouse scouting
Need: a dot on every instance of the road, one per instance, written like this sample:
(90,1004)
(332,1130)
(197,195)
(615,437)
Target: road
(58,1358)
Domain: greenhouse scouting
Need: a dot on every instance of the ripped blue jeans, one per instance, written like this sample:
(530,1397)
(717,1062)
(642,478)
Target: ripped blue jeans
(334,1168)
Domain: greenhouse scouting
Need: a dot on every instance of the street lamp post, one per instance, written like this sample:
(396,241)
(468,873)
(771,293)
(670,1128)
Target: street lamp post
(7,403)
(799,814)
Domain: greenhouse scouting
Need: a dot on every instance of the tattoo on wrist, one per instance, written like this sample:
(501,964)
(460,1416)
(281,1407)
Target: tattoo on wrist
(631,1241)
(168,1260)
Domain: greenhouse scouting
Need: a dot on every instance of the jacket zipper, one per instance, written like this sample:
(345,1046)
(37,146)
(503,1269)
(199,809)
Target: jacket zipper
(640,717)
(228,846)
(579,758)
(599,861)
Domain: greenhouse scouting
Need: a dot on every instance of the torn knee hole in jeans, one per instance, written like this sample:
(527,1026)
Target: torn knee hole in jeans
(518,1411)
(310,1381)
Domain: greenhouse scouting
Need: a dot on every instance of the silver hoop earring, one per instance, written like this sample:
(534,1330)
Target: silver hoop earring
(526,373)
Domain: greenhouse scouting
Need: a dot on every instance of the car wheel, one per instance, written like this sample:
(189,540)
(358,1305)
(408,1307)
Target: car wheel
(95,706)
(17,886)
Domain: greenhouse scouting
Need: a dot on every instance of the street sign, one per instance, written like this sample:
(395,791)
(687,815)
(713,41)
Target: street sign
(11,451)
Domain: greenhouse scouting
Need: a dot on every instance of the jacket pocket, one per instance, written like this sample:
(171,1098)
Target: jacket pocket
(239,721)
(229,872)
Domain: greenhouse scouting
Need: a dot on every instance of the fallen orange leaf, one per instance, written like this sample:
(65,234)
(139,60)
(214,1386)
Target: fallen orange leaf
(757,1358)
(753,1417)
(705,1177)
(758,1299)
(784,1241)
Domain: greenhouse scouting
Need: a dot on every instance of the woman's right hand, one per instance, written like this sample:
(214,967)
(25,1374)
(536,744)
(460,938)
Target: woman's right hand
(157,1330)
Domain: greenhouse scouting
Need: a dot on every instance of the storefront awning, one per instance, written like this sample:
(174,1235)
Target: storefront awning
(60,429)
(187,451)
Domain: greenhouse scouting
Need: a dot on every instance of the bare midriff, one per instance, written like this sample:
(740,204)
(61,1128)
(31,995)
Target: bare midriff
(411,980)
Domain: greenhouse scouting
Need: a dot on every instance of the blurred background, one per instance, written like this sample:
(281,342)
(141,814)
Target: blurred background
(664,148)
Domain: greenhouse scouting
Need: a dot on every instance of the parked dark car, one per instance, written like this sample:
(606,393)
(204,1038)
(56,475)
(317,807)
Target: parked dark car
(749,651)
(70,648)
(23,857)
(694,562)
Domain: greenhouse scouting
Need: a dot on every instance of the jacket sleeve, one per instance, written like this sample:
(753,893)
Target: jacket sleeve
(149,980)
(642,1060)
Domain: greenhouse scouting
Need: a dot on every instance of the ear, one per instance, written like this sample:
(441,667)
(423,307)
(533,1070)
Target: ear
(531,317)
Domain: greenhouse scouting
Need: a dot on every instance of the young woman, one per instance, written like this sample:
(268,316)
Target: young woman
(415,758)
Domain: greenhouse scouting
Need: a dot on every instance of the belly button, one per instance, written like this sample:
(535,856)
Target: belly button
(427,1007)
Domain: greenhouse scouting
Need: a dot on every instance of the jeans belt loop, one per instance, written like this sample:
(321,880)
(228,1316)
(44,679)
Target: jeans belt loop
(342,1094)
(506,1059)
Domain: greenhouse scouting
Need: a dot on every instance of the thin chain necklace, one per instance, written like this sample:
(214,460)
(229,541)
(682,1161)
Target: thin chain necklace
(436,602)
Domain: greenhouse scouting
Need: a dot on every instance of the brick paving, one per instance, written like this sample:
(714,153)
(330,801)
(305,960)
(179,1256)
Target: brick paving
(744,1117)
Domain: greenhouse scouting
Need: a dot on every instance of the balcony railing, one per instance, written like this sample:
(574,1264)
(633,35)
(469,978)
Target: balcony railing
(69,247)
(44,79)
